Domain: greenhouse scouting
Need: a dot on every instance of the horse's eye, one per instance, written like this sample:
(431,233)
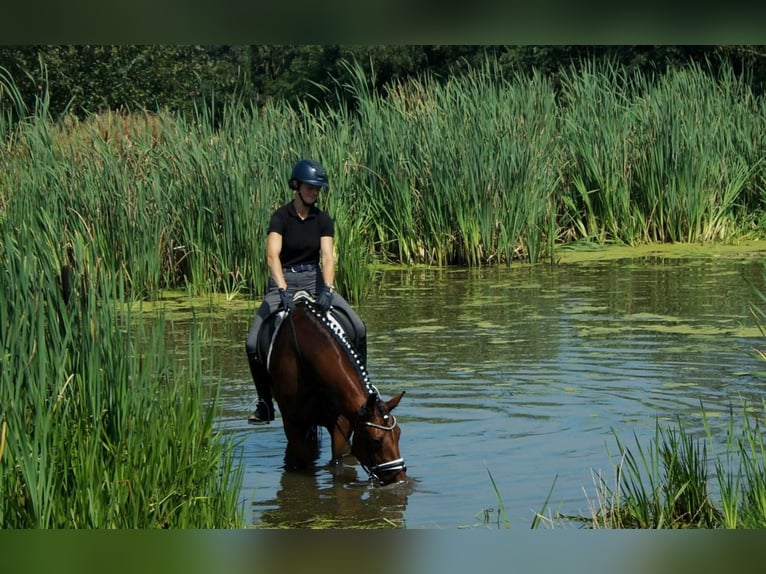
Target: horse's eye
(376,443)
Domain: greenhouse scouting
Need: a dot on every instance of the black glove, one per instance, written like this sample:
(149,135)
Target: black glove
(324,298)
(286,301)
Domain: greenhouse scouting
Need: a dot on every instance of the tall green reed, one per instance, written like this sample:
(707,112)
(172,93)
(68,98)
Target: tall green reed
(483,168)
(695,155)
(462,171)
(103,429)
(599,134)
(674,481)
(662,485)
(389,178)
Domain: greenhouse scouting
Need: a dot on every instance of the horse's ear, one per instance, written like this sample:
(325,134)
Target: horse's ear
(391,403)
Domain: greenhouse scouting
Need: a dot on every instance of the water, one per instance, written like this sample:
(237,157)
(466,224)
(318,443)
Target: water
(522,376)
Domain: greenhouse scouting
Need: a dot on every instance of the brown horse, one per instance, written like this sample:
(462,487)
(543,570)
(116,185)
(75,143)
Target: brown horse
(318,381)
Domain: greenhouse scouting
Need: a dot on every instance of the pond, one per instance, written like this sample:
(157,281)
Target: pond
(517,381)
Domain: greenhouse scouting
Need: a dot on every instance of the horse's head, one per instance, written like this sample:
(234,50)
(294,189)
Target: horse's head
(375,443)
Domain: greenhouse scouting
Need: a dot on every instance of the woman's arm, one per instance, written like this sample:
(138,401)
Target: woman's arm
(273,249)
(327,259)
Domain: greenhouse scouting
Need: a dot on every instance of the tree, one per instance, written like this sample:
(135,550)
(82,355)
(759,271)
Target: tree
(88,79)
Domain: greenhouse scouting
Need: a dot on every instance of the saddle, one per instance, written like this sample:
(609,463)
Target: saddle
(270,326)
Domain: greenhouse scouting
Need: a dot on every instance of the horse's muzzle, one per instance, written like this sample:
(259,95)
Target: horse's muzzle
(389,469)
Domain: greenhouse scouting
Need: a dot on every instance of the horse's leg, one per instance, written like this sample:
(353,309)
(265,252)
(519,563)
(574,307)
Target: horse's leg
(312,442)
(302,446)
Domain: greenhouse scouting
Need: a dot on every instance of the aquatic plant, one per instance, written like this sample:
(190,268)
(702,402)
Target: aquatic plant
(481,169)
(100,426)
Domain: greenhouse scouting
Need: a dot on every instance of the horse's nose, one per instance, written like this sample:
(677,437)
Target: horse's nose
(395,480)
(395,477)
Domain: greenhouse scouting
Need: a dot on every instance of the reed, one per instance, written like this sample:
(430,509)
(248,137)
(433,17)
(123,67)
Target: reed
(696,155)
(481,169)
(502,513)
(668,484)
(599,133)
(101,428)
(463,171)
(753,473)
(389,180)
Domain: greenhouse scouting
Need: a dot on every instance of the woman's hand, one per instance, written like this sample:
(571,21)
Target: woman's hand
(286,301)
(324,297)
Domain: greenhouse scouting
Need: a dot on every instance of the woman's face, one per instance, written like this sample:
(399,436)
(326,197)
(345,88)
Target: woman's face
(309,193)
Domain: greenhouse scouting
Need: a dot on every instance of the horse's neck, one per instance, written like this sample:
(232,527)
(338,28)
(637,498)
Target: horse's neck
(330,324)
(355,382)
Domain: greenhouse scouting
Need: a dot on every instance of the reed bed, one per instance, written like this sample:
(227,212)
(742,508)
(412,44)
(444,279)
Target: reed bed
(600,137)
(99,426)
(462,173)
(481,169)
(698,158)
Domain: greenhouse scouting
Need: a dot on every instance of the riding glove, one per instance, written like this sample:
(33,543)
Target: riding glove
(324,297)
(285,301)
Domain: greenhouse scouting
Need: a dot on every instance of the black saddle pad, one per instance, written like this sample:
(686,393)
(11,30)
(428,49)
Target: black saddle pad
(270,324)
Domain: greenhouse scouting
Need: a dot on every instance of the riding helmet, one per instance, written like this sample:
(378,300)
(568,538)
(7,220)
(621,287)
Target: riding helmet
(308,171)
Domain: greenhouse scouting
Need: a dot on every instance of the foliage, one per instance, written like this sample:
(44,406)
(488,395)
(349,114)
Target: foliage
(85,79)
(93,78)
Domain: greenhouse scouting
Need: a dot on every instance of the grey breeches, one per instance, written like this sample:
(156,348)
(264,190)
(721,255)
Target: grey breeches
(308,281)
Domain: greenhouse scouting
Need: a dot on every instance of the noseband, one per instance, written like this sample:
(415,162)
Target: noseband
(396,465)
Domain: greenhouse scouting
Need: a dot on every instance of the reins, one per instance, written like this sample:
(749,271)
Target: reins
(295,337)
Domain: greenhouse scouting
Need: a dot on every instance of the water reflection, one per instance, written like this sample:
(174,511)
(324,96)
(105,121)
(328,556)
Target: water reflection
(312,500)
(524,372)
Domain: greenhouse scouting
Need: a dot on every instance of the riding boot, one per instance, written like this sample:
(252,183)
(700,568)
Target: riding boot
(264,410)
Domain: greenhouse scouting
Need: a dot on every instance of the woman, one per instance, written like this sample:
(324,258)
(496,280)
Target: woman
(300,256)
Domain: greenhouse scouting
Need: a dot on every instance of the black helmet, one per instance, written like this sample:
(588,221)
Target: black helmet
(308,171)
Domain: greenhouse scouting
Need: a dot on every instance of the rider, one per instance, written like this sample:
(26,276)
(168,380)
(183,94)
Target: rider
(300,256)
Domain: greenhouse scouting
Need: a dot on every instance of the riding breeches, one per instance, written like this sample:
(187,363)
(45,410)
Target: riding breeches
(306,281)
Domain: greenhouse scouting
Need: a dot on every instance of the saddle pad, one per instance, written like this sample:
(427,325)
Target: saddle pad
(333,322)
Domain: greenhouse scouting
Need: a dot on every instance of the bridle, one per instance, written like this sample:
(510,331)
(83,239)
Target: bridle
(396,465)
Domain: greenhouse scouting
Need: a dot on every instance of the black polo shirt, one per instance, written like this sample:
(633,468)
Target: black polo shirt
(300,237)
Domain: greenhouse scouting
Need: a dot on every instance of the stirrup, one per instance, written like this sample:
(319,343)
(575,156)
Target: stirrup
(263,414)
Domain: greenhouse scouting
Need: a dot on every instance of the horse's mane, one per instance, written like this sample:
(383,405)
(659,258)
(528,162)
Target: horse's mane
(334,328)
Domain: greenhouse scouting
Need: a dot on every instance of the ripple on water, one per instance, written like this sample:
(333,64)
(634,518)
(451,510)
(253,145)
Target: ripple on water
(524,373)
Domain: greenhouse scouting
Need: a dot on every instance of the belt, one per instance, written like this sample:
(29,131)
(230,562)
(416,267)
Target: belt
(300,268)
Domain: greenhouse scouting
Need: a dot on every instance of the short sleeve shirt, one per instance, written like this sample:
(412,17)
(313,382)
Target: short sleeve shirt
(300,237)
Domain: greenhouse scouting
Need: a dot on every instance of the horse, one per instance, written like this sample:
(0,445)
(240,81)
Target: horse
(317,380)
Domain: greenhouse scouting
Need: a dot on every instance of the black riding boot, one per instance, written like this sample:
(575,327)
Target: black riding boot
(264,410)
